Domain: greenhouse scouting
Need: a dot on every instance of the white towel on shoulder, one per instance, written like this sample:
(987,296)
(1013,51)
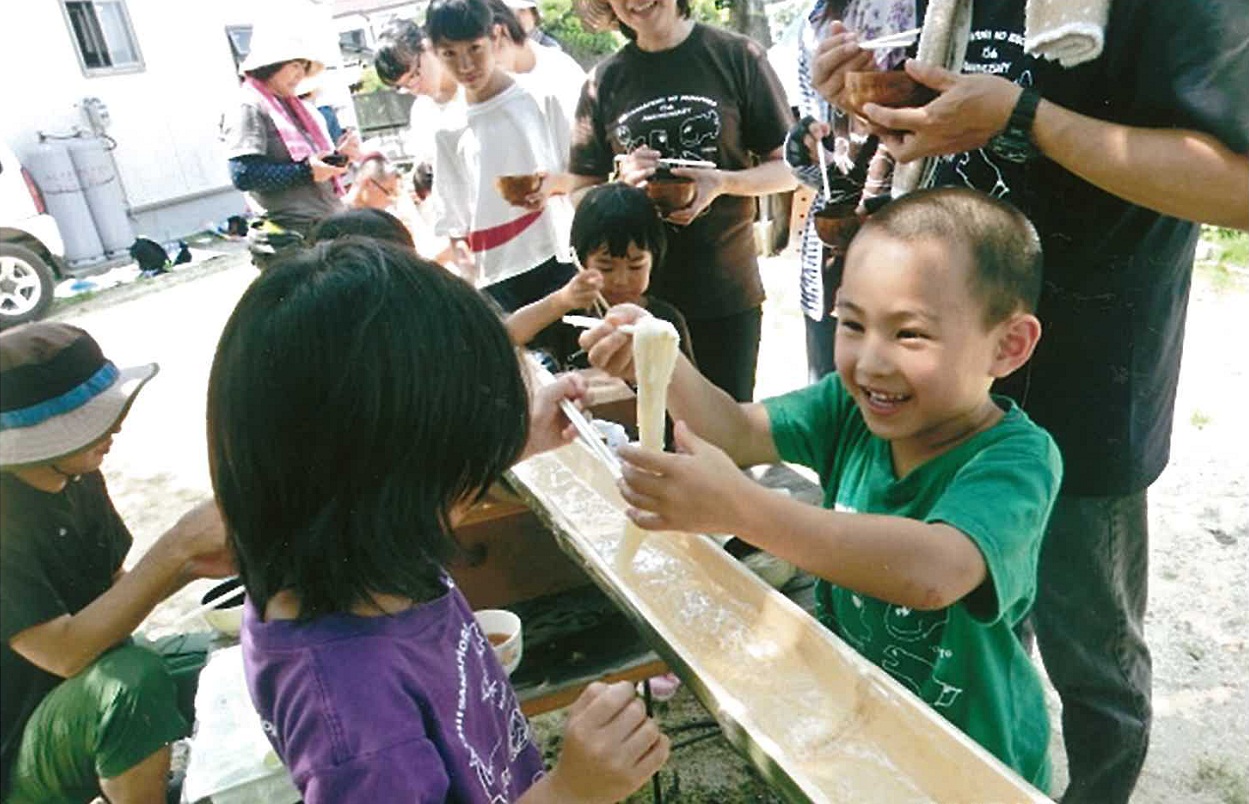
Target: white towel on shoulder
(1070,32)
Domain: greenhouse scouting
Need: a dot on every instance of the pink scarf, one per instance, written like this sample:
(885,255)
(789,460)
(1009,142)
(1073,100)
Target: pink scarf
(305,134)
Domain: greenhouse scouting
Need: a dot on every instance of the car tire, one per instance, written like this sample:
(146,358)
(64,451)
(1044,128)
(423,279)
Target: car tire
(26,285)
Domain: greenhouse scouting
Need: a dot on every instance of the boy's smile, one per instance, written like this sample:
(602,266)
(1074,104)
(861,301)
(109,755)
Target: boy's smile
(912,347)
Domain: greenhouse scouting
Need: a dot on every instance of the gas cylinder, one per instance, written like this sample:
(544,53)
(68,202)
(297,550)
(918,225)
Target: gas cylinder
(53,171)
(97,174)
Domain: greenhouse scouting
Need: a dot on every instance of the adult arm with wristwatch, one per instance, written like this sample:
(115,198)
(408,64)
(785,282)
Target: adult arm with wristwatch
(1179,172)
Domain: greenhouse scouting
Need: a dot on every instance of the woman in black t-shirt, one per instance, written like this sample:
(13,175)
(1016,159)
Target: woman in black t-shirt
(683,90)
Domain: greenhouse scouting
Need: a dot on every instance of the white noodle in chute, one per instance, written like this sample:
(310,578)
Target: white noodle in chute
(655,344)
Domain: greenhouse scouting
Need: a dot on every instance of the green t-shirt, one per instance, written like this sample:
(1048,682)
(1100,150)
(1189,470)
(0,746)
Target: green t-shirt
(998,488)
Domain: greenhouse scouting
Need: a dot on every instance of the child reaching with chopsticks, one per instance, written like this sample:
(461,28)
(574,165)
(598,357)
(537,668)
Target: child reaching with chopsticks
(360,400)
(619,238)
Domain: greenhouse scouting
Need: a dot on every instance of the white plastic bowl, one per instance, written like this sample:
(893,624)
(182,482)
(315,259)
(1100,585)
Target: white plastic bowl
(227,618)
(503,629)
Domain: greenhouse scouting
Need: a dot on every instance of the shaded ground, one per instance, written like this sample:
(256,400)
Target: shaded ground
(1199,607)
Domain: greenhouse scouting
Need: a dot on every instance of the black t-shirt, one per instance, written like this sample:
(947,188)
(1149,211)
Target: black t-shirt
(559,341)
(58,552)
(1117,276)
(712,97)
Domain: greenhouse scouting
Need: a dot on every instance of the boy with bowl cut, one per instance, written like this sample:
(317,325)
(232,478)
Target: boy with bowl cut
(939,491)
(84,710)
(515,254)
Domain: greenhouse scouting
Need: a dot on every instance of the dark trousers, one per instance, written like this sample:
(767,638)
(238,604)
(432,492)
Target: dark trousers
(515,292)
(1090,627)
(727,350)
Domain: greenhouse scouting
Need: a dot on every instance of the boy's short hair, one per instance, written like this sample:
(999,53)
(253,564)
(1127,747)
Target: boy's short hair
(503,15)
(357,395)
(1003,244)
(458,20)
(398,46)
(366,222)
(615,215)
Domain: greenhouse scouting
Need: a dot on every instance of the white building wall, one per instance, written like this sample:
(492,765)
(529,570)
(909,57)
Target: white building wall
(165,117)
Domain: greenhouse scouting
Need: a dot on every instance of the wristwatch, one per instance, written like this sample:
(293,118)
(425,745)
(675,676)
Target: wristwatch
(1014,143)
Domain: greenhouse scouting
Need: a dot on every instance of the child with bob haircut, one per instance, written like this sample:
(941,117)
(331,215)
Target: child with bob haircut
(620,239)
(939,491)
(360,400)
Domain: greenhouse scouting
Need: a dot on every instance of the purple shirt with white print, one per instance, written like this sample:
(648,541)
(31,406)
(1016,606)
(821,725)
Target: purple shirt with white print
(412,707)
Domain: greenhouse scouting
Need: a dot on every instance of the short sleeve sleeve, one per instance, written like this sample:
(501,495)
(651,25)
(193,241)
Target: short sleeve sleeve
(27,595)
(244,132)
(590,153)
(411,771)
(1001,499)
(1185,63)
(765,112)
(807,423)
(453,217)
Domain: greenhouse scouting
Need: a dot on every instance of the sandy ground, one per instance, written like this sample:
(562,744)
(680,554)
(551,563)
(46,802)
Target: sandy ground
(1199,605)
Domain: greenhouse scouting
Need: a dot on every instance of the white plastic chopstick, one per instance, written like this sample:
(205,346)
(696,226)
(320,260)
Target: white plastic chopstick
(900,39)
(589,322)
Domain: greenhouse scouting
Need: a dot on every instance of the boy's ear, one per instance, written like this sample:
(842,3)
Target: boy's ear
(1017,339)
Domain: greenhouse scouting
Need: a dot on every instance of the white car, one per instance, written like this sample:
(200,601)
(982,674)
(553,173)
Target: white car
(31,249)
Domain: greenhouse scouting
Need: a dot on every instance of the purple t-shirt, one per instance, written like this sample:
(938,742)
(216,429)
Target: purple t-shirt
(413,707)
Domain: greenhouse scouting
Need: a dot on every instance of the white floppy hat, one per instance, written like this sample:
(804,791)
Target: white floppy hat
(58,393)
(517,5)
(274,42)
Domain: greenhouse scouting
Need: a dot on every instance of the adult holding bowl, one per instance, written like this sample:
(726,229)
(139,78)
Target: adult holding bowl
(280,151)
(683,90)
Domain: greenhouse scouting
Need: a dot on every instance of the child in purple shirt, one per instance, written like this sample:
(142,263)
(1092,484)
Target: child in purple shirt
(360,400)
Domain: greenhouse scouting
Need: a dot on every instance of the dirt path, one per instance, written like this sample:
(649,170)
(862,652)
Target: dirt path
(1198,624)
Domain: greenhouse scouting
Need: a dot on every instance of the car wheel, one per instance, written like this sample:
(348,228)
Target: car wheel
(26,285)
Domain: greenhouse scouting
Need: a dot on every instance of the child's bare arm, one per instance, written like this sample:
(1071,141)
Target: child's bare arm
(742,430)
(892,558)
(577,294)
(610,749)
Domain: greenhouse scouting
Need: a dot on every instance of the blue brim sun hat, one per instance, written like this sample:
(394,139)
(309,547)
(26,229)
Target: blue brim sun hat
(59,394)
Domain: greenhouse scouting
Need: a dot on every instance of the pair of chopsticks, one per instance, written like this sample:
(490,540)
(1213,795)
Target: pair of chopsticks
(585,431)
(600,304)
(226,599)
(899,39)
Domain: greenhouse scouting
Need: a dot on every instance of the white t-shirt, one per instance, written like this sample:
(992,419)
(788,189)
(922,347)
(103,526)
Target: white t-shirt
(515,132)
(556,71)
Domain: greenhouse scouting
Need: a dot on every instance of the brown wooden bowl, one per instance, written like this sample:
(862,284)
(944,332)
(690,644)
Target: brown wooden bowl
(837,225)
(517,187)
(893,88)
(671,193)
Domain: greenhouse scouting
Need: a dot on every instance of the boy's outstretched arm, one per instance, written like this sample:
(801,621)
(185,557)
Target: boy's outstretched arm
(741,430)
(699,490)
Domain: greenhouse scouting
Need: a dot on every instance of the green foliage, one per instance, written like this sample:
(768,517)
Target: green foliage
(560,19)
(1223,258)
(369,82)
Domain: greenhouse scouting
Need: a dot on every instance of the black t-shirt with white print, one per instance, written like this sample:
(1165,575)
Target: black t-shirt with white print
(1117,276)
(713,97)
